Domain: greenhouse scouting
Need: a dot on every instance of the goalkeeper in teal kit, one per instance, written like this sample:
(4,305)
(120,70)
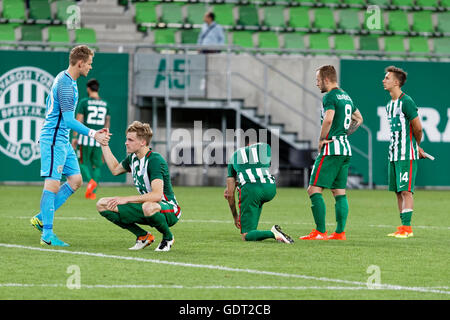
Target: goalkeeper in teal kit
(57,156)
(248,170)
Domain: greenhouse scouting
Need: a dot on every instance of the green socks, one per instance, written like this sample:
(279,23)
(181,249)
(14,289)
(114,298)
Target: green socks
(405,216)
(256,235)
(114,218)
(159,222)
(341,207)
(319,211)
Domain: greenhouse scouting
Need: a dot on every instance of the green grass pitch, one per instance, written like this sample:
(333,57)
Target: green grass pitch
(210,261)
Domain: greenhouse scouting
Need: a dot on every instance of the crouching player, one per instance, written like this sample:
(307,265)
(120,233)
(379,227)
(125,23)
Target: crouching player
(156,205)
(248,170)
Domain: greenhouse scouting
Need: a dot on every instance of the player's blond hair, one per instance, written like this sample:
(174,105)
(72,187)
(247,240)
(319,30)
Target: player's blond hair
(399,74)
(143,131)
(328,72)
(78,53)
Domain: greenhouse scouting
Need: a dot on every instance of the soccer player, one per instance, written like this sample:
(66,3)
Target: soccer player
(156,205)
(57,155)
(94,113)
(404,150)
(248,170)
(340,118)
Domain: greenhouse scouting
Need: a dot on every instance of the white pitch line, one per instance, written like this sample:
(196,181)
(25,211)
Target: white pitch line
(224,268)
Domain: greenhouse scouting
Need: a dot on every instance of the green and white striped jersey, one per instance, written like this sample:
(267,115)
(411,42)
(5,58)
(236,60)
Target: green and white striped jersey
(400,112)
(152,166)
(251,164)
(339,101)
(94,112)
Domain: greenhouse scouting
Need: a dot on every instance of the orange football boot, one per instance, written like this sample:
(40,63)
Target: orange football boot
(337,236)
(315,235)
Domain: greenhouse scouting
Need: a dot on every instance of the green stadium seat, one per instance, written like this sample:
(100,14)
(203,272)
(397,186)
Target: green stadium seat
(398,21)
(299,17)
(394,44)
(442,45)
(164,36)
(403,3)
(369,43)
(31,33)
(324,19)
(224,14)
(349,19)
(40,10)
(418,45)
(58,34)
(196,12)
(378,2)
(268,40)
(344,42)
(85,35)
(443,22)
(428,3)
(422,21)
(146,12)
(354,2)
(172,12)
(445,3)
(243,39)
(14,9)
(294,40)
(189,36)
(329,1)
(319,41)
(61,9)
(370,23)
(248,15)
(7,33)
(274,16)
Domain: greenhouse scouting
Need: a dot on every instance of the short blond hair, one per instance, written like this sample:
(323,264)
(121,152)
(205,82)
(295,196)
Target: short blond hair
(78,53)
(143,130)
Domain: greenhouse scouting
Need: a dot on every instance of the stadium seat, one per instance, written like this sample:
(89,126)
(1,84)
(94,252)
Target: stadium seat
(442,45)
(58,34)
(164,36)
(40,10)
(195,13)
(14,9)
(294,40)
(61,9)
(403,3)
(344,42)
(324,19)
(31,33)
(443,22)
(85,35)
(427,3)
(328,1)
(145,12)
(398,21)
(422,22)
(299,17)
(445,3)
(394,44)
(418,45)
(268,40)
(172,12)
(243,39)
(380,3)
(354,2)
(368,15)
(274,16)
(248,15)
(349,19)
(224,14)
(189,36)
(369,43)
(7,33)
(319,41)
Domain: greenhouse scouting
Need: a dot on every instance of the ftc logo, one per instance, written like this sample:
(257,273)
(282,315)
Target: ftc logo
(23,92)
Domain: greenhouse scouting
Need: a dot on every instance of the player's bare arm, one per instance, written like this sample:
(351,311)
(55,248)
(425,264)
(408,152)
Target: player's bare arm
(154,196)
(418,133)
(113,165)
(357,120)
(326,125)
(229,195)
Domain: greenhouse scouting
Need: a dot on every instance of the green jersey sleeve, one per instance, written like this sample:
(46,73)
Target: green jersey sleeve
(126,163)
(156,167)
(409,108)
(329,102)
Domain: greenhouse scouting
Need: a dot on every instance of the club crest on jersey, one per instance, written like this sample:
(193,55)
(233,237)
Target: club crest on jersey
(23,92)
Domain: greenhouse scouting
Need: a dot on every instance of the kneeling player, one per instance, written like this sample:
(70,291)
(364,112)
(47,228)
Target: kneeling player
(156,205)
(248,169)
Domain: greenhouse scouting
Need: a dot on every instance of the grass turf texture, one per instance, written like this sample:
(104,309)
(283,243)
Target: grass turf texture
(205,235)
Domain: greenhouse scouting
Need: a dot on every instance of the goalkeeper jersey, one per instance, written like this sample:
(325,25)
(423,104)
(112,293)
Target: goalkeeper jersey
(251,164)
